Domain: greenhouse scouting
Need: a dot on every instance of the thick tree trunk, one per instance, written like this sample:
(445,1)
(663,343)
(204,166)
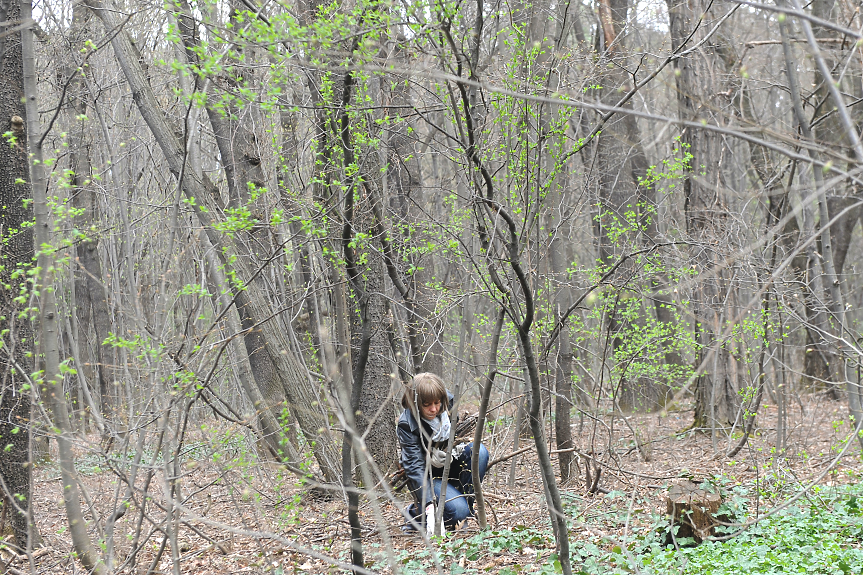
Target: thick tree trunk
(819,366)
(563,374)
(842,368)
(699,93)
(664,307)
(366,272)
(620,162)
(84,363)
(88,259)
(51,382)
(237,143)
(292,200)
(17,334)
(91,302)
(406,202)
(563,407)
(377,414)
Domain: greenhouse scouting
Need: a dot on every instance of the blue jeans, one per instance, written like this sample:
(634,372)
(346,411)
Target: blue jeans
(460,485)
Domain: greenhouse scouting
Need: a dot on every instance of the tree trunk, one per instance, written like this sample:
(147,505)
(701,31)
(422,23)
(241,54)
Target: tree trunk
(238,150)
(17,333)
(563,407)
(482,412)
(406,203)
(91,302)
(85,363)
(366,272)
(693,510)
(819,366)
(292,199)
(620,162)
(842,368)
(698,94)
(51,382)
(377,414)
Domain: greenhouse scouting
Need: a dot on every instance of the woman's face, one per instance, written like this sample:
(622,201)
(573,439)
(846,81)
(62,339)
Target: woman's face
(431,409)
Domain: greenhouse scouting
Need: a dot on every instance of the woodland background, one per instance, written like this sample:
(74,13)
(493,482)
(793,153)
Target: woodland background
(232,229)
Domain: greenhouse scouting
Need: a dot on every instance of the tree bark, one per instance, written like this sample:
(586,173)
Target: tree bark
(480,419)
(625,217)
(52,380)
(349,390)
(846,347)
(376,413)
(17,333)
(693,509)
(406,203)
(699,91)
(91,301)
(563,407)
(238,148)
(820,359)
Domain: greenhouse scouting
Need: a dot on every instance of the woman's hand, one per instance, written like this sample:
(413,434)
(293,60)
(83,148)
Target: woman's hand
(458,450)
(438,457)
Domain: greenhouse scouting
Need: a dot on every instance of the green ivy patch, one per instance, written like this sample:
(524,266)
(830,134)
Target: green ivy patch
(819,534)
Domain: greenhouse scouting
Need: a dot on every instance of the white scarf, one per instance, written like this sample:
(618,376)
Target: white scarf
(440,427)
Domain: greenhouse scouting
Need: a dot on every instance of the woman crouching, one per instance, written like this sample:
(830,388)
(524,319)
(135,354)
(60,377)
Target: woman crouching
(423,431)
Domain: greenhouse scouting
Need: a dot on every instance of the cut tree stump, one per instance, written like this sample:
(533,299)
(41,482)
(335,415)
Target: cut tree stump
(694,510)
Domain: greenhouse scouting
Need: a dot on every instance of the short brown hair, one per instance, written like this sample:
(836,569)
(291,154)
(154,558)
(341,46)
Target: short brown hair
(424,388)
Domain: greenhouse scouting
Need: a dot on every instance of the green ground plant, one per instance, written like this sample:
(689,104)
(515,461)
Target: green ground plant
(821,533)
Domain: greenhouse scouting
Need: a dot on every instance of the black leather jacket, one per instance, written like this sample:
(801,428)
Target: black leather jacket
(413,457)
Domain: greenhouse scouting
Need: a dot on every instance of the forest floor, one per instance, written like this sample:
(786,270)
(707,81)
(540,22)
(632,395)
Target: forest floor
(231,499)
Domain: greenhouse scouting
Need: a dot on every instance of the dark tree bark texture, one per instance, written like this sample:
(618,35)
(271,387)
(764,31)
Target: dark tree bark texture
(620,161)
(405,187)
(700,79)
(17,251)
(91,303)
(377,414)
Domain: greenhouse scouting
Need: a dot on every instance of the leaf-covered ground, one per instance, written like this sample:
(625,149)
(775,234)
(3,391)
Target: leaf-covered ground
(242,515)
